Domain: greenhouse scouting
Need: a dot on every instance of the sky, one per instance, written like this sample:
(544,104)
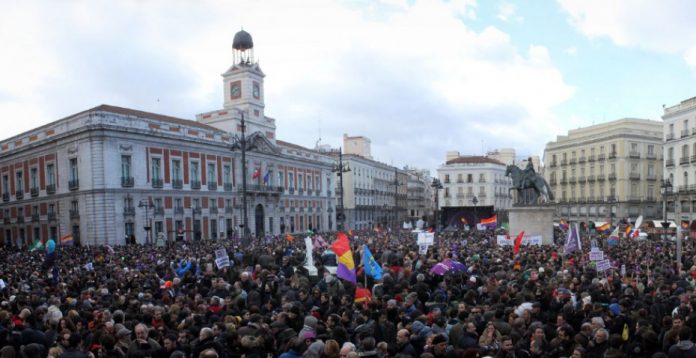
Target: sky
(419,78)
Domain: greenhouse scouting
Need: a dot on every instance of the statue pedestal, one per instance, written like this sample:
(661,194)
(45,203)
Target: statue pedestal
(533,220)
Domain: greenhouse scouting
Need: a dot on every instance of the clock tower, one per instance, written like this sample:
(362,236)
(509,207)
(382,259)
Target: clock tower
(243,92)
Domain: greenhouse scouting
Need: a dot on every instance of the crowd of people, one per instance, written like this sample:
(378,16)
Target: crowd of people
(174,301)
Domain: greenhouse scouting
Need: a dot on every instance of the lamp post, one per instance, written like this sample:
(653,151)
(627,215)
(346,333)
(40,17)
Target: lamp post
(145,203)
(437,185)
(666,187)
(240,143)
(475,201)
(396,185)
(339,170)
(611,211)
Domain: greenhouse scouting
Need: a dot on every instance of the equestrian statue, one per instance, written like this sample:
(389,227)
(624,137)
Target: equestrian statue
(530,186)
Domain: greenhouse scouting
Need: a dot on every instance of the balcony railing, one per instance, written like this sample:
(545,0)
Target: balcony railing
(612,155)
(50,189)
(264,189)
(6,220)
(669,136)
(460,195)
(564,181)
(74,184)
(564,162)
(127,182)
(553,164)
(572,180)
(590,178)
(582,160)
(693,159)
(74,214)
(573,161)
(683,188)
(229,210)
(159,211)
(684,133)
(195,184)
(634,176)
(601,177)
(601,156)
(634,198)
(35,218)
(5,196)
(179,210)
(20,220)
(34,191)
(651,177)
(212,185)
(610,199)
(669,162)
(634,154)
(51,216)
(611,176)
(177,183)
(129,211)
(228,186)
(581,179)
(157,183)
(684,161)
(652,156)
(213,210)
(19,194)
(591,158)
(196,209)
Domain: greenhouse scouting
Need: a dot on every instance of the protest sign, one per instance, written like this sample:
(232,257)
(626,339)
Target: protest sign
(603,265)
(526,241)
(596,254)
(222,262)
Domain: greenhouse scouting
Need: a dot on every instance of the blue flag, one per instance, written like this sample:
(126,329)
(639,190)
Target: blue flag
(372,267)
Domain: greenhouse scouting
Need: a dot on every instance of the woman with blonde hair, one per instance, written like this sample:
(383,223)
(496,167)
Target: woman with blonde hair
(489,341)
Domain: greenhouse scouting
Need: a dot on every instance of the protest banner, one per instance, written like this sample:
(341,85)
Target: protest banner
(603,265)
(526,240)
(596,254)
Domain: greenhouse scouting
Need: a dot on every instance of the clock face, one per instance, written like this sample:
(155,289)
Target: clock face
(256,91)
(235,90)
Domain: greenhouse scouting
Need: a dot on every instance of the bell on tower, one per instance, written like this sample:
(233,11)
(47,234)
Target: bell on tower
(243,48)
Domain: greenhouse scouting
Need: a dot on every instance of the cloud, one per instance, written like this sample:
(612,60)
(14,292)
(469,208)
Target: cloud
(571,51)
(508,12)
(659,26)
(410,75)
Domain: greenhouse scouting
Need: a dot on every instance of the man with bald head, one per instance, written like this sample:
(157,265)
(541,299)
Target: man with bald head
(403,343)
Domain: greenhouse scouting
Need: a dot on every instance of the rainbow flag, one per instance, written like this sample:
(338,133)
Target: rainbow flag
(563,225)
(346,265)
(492,220)
(603,227)
(628,230)
(67,240)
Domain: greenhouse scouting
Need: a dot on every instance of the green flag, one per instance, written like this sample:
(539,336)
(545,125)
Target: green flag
(37,245)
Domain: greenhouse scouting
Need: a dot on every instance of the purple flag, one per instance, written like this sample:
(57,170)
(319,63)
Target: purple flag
(573,241)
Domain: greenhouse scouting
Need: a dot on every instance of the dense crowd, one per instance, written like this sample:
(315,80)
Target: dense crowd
(173,301)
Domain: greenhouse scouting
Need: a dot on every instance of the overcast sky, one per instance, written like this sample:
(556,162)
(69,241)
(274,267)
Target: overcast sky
(417,77)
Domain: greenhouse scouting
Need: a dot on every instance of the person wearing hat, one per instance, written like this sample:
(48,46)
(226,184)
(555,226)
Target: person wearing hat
(439,346)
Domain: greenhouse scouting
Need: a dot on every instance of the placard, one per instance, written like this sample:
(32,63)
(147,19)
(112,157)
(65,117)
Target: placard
(220,253)
(526,241)
(603,265)
(596,255)
(623,270)
(426,238)
(222,262)
(423,249)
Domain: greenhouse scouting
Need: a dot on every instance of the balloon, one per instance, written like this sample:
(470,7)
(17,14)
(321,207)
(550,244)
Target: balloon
(50,246)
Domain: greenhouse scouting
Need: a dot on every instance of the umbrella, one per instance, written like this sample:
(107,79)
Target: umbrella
(455,266)
(439,269)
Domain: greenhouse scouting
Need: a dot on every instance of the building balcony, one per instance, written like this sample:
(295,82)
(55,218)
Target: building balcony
(50,189)
(460,195)
(633,199)
(229,210)
(159,211)
(212,185)
(684,161)
(213,210)
(612,155)
(684,133)
(611,176)
(482,195)
(582,179)
(610,199)
(693,131)
(634,176)
(460,181)
(228,187)
(34,191)
(446,181)
(564,181)
(482,180)
(601,177)
(573,161)
(127,182)
(572,180)
(177,184)
(590,178)
(20,220)
(650,199)
(74,214)
(552,181)
(634,154)
(264,189)
(300,191)
(195,184)
(51,216)
(157,183)
(129,211)
(35,217)
(179,211)
(553,164)
(683,189)
(582,160)
(669,163)
(651,156)
(564,162)
(5,196)
(19,194)
(651,177)
(6,220)
(196,210)
(669,136)
(601,156)
(74,184)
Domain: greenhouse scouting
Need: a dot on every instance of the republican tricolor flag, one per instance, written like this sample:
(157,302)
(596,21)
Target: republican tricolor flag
(346,265)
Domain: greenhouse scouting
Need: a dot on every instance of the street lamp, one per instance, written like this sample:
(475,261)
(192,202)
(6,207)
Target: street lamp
(475,201)
(145,203)
(437,185)
(339,170)
(666,187)
(396,185)
(240,143)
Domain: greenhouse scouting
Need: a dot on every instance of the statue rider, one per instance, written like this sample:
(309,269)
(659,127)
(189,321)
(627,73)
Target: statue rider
(529,174)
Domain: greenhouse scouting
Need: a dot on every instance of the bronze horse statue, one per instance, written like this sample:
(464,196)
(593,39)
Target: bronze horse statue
(523,180)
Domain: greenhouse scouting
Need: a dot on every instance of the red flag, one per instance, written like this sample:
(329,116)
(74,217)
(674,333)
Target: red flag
(257,173)
(518,243)
(290,238)
(362,295)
